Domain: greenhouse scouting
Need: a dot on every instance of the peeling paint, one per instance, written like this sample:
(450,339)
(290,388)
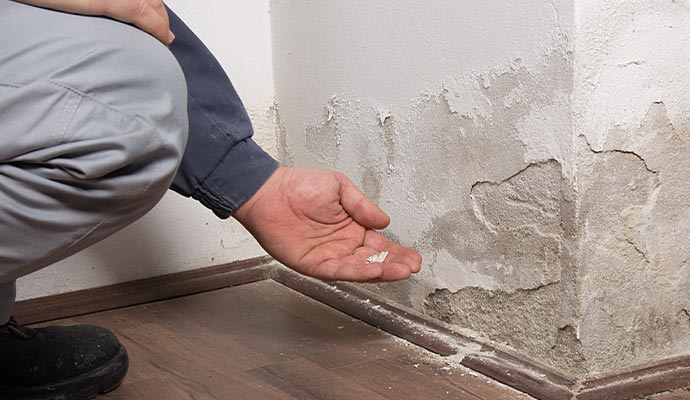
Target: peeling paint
(527,320)
(542,171)
(384,116)
(486,202)
(266,123)
(472,155)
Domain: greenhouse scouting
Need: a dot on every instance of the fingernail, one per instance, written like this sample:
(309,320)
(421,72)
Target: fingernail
(171,37)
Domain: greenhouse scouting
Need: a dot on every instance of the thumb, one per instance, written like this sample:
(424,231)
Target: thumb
(360,207)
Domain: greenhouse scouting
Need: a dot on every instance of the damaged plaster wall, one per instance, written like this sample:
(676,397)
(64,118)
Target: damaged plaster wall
(632,119)
(461,130)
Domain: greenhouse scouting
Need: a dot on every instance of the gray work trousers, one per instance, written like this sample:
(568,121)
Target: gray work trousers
(93,125)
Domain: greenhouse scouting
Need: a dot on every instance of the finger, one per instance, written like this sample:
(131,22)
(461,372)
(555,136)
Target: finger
(398,265)
(395,272)
(410,258)
(364,253)
(144,17)
(155,24)
(160,9)
(354,260)
(396,254)
(377,241)
(338,270)
(360,207)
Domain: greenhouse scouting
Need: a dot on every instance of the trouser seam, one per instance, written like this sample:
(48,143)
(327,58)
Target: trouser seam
(87,97)
(65,118)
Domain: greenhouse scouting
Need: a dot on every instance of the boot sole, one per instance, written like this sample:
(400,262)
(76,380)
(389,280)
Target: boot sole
(83,387)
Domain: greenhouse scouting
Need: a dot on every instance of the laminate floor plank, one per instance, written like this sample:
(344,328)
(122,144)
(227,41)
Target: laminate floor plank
(155,388)
(464,379)
(306,380)
(264,341)
(403,382)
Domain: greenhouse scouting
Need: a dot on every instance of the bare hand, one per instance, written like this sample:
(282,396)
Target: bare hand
(148,15)
(319,224)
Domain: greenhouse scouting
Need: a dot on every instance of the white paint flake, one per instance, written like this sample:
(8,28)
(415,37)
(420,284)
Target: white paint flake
(377,258)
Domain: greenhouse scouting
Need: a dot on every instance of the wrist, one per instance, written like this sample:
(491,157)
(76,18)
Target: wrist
(246,212)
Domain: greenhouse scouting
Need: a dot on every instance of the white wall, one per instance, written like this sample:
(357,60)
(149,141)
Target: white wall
(179,234)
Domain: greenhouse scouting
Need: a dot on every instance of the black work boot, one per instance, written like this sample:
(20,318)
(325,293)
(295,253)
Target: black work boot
(59,363)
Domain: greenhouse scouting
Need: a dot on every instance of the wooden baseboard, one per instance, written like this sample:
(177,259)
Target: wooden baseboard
(518,372)
(504,365)
(372,311)
(638,381)
(142,291)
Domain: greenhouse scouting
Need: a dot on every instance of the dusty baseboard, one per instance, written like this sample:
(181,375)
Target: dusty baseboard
(142,291)
(525,375)
(637,381)
(502,364)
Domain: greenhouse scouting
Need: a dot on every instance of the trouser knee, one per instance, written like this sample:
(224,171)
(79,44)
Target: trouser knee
(94,133)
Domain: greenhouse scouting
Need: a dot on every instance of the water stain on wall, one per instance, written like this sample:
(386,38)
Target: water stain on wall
(487,218)
(634,256)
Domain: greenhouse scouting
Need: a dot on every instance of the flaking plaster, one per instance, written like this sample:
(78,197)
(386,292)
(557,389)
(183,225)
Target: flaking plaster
(633,125)
(476,171)
(535,153)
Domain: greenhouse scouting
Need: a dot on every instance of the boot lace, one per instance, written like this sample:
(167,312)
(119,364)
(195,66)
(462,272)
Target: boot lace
(13,328)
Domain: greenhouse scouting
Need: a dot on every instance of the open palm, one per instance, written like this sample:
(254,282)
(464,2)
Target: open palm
(319,224)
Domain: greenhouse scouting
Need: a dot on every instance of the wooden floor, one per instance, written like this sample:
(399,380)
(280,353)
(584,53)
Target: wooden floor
(264,341)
